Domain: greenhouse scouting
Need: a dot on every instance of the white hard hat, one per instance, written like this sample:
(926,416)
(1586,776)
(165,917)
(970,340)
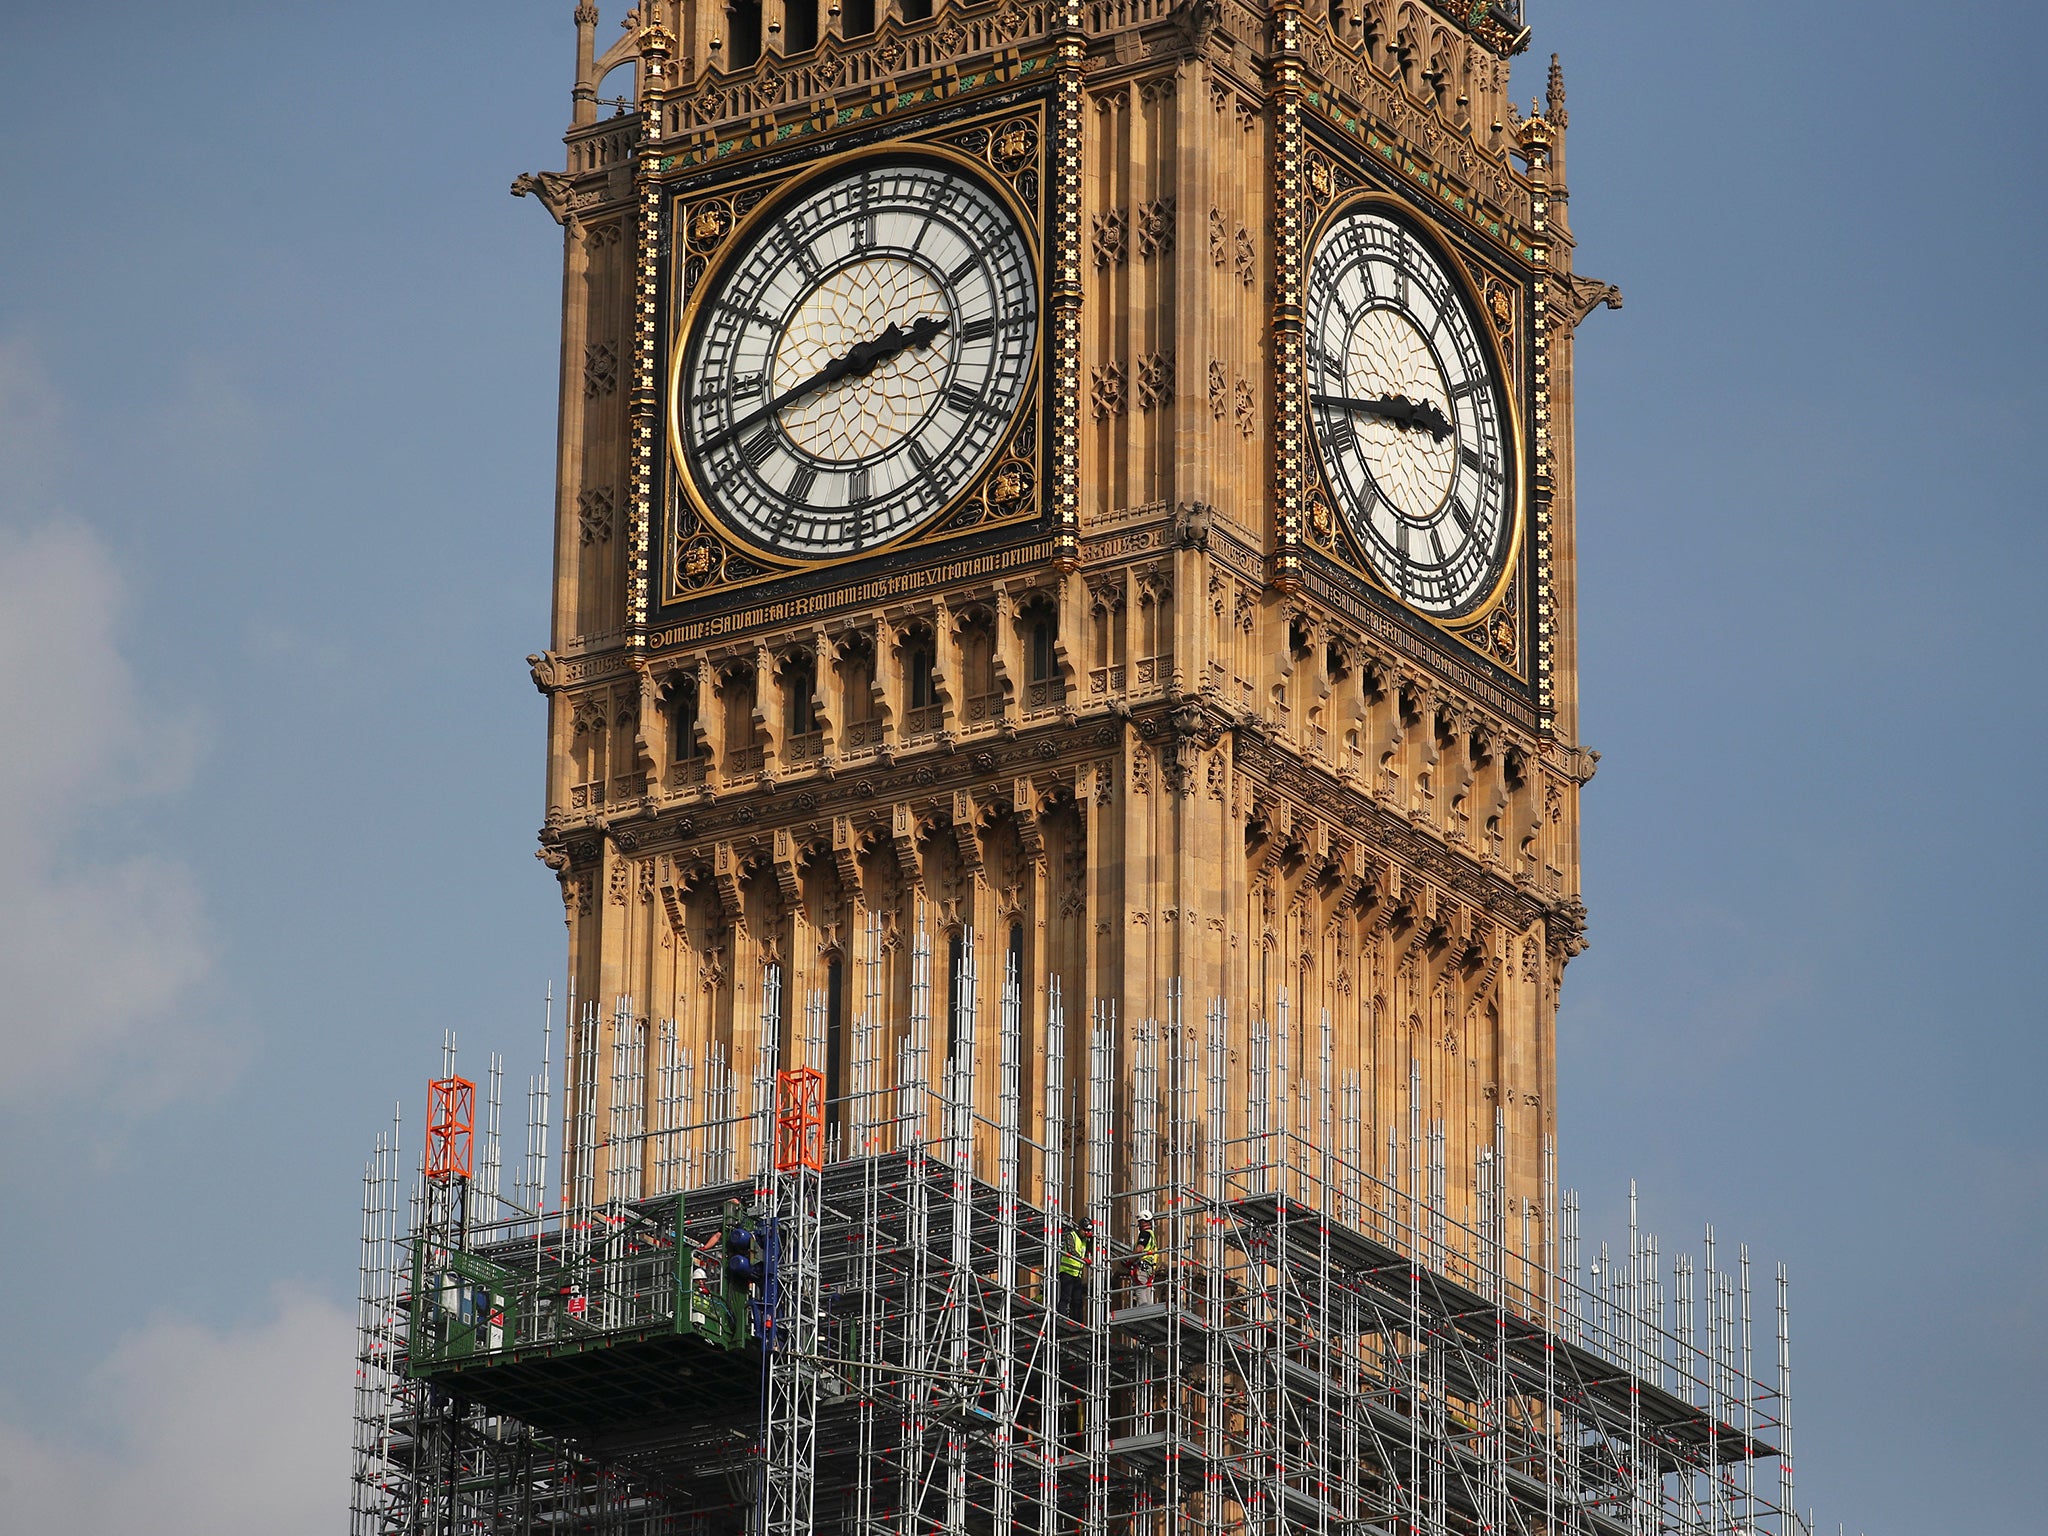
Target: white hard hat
(1144,1215)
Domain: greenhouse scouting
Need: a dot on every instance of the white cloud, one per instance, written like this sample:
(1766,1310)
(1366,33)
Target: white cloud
(97,946)
(242,1432)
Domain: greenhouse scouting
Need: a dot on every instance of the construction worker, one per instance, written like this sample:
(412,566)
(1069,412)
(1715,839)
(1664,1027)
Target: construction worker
(1143,1268)
(1073,1273)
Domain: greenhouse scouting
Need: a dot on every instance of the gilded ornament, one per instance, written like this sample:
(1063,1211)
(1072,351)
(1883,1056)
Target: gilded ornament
(1320,521)
(709,224)
(1322,182)
(1500,308)
(699,561)
(1010,487)
(1503,633)
(1014,145)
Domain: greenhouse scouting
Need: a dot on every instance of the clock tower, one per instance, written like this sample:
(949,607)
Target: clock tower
(1063,772)
(1073,498)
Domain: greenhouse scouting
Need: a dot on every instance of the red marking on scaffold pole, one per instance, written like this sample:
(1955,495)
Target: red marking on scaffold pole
(451,1127)
(799,1120)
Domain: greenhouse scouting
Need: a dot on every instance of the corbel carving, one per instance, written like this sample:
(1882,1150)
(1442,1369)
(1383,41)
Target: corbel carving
(1492,943)
(887,681)
(650,734)
(967,832)
(1387,733)
(903,833)
(1024,814)
(728,873)
(1421,718)
(788,860)
(824,697)
(946,664)
(675,890)
(1426,925)
(848,844)
(1006,658)
(1357,875)
(1389,898)
(1277,817)
(1458,924)
(768,713)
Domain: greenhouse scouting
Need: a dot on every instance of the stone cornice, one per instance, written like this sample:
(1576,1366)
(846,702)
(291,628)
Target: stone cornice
(1320,794)
(1048,758)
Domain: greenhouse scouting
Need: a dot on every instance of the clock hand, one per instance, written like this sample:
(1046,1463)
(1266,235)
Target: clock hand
(1398,409)
(861,359)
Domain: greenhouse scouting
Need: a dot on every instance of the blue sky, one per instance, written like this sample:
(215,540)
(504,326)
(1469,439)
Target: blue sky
(277,376)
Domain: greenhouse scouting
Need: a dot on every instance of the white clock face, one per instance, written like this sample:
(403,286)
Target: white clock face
(855,362)
(1408,417)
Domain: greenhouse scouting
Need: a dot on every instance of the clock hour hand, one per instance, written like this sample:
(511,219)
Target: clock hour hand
(861,359)
(866,356)
(1410,415)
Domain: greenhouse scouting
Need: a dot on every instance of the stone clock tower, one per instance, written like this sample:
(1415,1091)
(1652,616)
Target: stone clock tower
(1080,491)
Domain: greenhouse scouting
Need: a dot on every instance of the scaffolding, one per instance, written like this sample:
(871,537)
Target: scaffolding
(1274,1329)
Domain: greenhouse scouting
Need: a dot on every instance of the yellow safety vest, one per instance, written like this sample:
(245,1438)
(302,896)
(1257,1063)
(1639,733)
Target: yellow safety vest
(1074,1257)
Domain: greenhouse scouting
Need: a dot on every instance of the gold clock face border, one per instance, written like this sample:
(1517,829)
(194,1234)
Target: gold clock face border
(732,246)
(1441,247)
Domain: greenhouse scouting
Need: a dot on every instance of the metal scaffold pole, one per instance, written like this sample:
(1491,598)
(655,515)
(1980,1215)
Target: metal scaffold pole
(791,1350)
(1186,1277)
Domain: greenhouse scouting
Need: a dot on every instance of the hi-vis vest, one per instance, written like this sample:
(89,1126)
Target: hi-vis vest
(1074,1257)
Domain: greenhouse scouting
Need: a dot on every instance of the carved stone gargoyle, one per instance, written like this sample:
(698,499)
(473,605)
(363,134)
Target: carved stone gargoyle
(549,188)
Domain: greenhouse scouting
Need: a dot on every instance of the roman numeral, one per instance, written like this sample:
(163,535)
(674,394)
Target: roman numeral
(978,330)
(970,264)
(963,400)
(749,384)
(918,456)
(856,487)
(757,448)
(1463,517)
(799,488)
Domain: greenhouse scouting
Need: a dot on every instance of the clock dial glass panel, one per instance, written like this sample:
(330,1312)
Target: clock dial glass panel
(856,362)
(1409,418)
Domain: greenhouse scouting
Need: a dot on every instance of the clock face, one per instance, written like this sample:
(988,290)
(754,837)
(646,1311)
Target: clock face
(856,359)
(1408,415)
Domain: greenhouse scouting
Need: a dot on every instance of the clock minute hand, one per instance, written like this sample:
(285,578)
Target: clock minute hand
(867,356)
(1408,414)
(861,359)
